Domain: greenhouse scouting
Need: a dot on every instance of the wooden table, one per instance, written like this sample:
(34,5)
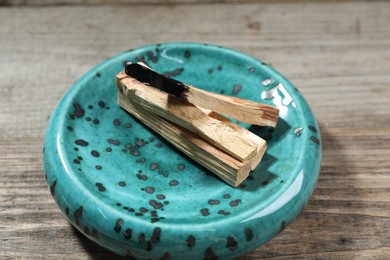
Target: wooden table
(337,54)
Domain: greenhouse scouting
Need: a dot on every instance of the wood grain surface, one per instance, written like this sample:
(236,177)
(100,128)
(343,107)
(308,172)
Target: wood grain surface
(337,54)
(163,2)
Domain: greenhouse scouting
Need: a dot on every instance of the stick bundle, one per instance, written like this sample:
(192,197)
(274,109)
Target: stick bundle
(227,149)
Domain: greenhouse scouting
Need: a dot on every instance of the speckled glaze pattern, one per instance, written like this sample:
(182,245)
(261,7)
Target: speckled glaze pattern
(127,189)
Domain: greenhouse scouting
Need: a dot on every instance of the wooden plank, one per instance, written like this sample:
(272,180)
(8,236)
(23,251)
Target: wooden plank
(337,54)
(326,84)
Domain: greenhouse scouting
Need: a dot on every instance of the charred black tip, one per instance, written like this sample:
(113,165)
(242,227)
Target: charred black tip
(154,79)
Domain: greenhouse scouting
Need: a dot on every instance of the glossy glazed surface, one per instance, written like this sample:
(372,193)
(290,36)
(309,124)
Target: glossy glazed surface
(127,189)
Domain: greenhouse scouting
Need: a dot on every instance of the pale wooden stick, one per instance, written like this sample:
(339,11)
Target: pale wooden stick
(243,110)
(261,143)
(188,116)
(220,163)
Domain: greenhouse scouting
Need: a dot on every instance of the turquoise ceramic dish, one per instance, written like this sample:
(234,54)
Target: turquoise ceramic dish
(128,190)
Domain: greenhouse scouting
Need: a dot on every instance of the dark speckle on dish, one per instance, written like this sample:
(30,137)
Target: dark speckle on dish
(100,186)
(135,153)
(152,56)
(237,88)
(141,238)
(209,254)
(128,233)
(140,142)
(160,196)
(155,204)
(191,241)
(95,153)
(81,142)
(78,110)
(113,141)
(205,212)
(312,128)
(148,246)
(187,54)
(153,166)
(117,122)
(234,203)
(173,73)
(248,234)
(102,104)
(231,243)
(222,212)
(118,225)
(143,210)
(315,140)
(214,202)
(149,190)
(156,235)
(173,183)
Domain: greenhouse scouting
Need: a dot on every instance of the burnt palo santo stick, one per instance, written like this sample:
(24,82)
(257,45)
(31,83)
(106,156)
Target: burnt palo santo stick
(243,110)
(185,114)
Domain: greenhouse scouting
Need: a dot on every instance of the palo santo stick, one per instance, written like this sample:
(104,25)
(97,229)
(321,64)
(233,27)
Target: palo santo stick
(260,142)
(188,116)
(243,110)
(220,163)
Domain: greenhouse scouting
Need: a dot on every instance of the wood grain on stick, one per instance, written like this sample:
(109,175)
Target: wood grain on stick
(261,143)
(188,116)
(243,110)
(222,164)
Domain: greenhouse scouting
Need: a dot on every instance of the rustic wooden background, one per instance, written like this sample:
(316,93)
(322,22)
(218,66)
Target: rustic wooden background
(336,53)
